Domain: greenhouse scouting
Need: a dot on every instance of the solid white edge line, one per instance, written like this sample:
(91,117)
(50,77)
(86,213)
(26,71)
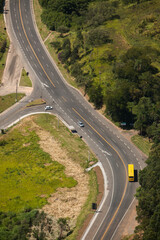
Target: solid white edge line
(102,202)
(20,118)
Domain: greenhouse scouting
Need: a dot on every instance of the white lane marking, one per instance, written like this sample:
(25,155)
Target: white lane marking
(57,81)
(124,151)
(122,219)
(100,142)
(27,49)
(113,140)
(45,85)
(106,152)
(89,131)
(117,164)
(104,198)
(31,57)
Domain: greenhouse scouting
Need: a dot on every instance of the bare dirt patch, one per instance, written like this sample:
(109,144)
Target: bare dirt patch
(66,202)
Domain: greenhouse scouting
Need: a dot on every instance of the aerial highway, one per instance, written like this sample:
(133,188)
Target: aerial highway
(112,149)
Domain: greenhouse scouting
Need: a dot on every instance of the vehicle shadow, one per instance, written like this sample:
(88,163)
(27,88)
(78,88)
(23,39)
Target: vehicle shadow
(135,175)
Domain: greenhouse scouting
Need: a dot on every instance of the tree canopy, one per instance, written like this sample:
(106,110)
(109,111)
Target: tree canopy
(148,195)
(137,85)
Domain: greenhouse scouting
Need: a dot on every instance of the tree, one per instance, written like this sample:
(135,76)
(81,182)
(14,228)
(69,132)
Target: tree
(64,227)
(62,29)
(148,195)
(98,13)
(74,55)
(66,51)
(96,96)
(1,6)
(144,117)
(97,36)
(56,45)
(116,102)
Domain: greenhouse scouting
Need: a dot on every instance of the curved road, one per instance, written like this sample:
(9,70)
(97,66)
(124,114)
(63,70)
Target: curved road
(113,151)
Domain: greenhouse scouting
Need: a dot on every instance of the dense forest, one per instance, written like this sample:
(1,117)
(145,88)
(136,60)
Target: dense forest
(112,50)
(126,80)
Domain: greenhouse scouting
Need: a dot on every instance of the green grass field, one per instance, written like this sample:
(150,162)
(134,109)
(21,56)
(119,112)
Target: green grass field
(142,143)
(27,175)
(8,100)
(25,80)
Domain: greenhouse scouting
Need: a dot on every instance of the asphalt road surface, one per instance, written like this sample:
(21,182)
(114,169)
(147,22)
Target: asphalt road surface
(112,149)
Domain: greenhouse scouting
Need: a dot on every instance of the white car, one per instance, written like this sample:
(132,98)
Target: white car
(48,108)
(80,124)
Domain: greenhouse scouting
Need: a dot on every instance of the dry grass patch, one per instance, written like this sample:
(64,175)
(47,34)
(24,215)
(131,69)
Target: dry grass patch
(65,202)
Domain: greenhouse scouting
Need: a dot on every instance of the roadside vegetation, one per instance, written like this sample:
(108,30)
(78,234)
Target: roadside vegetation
(4,41)
(30,176)
(35,102)
(142,143)
(25,80)
(111,50)
(9,100)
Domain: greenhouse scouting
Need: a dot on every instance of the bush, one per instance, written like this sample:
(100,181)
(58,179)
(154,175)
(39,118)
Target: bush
(56,45)
(97,36)
(99,13)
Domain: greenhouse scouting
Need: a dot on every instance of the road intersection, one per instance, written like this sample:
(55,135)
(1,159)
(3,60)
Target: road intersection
(112,149)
